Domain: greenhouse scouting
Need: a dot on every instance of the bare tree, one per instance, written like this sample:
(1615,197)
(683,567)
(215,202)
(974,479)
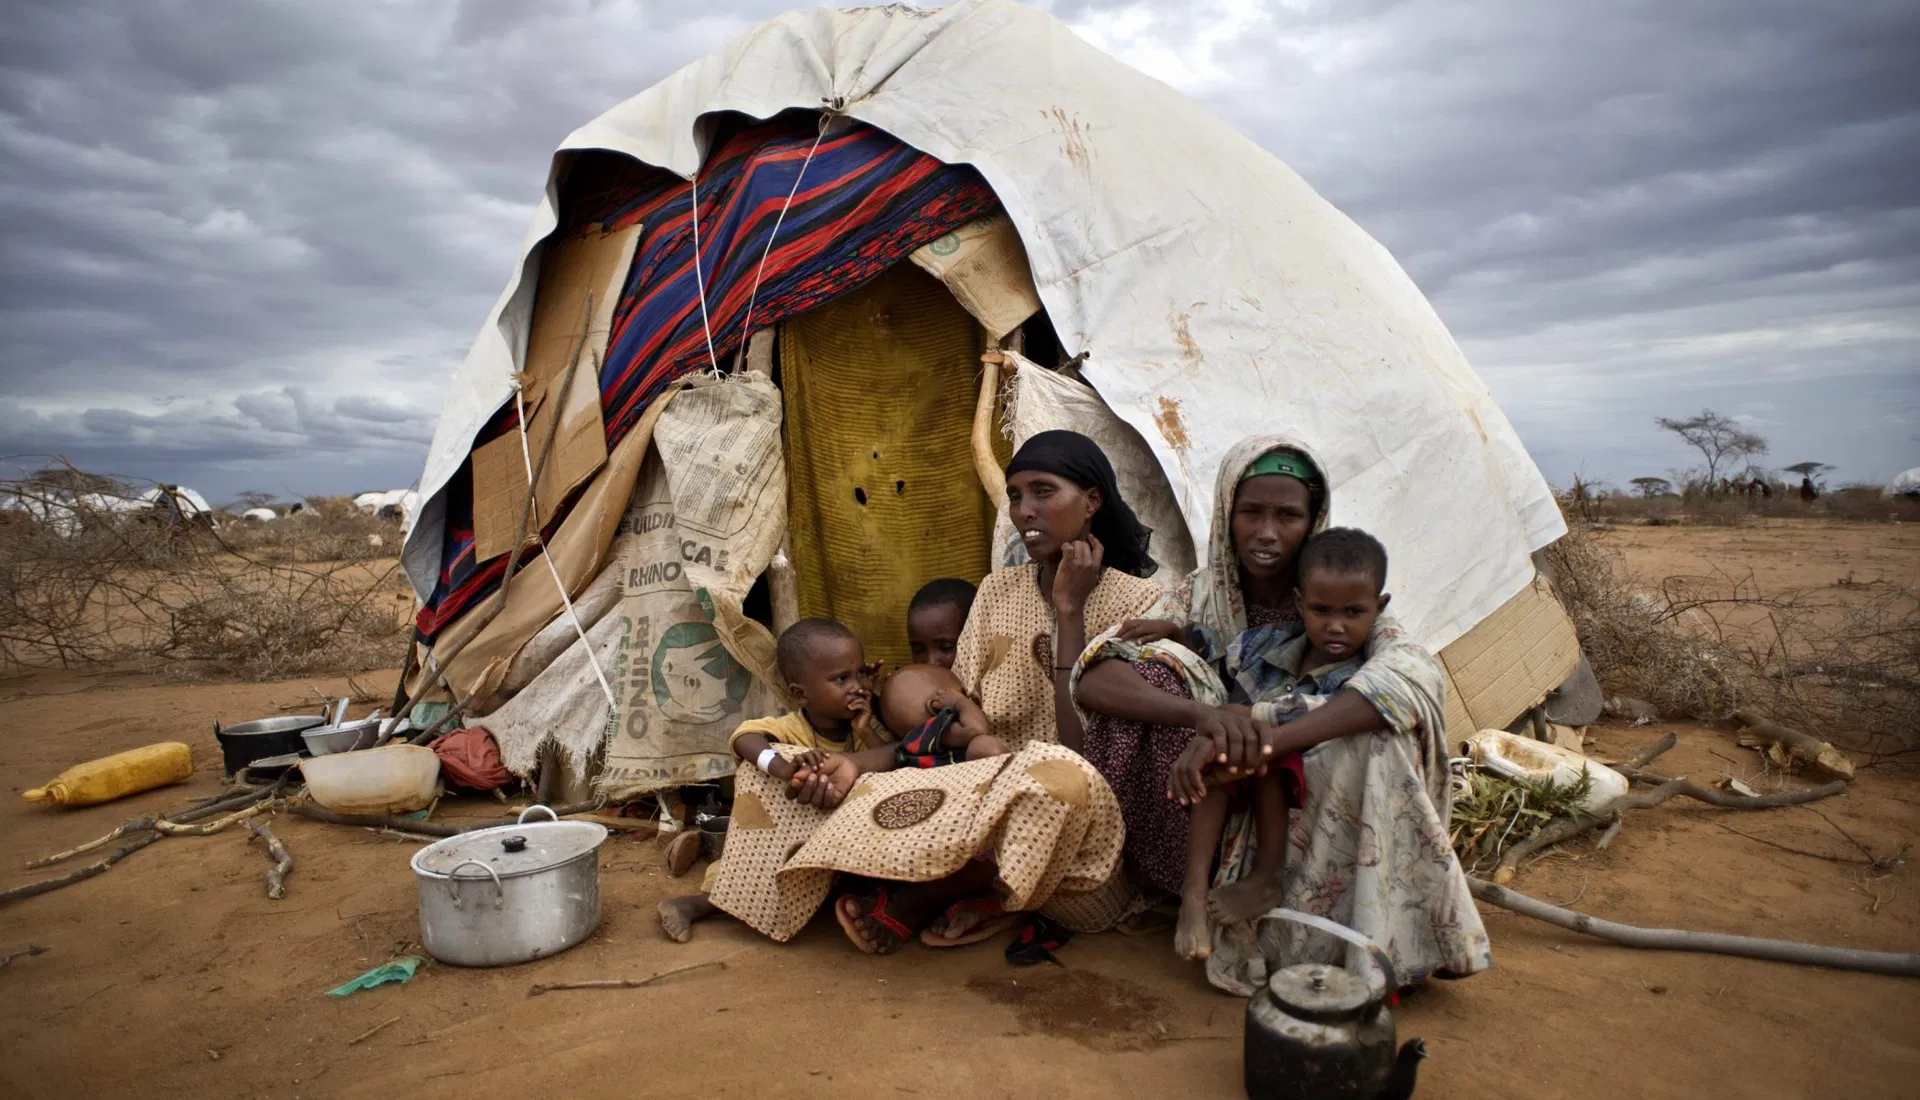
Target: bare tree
(1651,487)
(1719,439)
(252,498)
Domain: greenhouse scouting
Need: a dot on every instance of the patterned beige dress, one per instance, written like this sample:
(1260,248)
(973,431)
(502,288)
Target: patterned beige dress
(1044,816)
(1006,652)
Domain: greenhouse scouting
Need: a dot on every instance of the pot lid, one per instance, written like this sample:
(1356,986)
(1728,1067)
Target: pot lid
(512,849)
(1320,992)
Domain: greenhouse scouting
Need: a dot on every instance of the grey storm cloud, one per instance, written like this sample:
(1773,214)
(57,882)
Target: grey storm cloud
(246,243)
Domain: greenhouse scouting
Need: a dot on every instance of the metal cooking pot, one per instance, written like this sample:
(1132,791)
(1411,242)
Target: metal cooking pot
(511,894)
(245,742)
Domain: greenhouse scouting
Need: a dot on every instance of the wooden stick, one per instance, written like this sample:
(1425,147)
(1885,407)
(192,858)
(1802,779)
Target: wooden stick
(371,1032)
(1646,754)
(1792,744)
(622,983)
(433,732)
(208,828)
(282,860)
(27,952)
(222,804)
(34,889)
(138,824)
(1727,799)
(1669,939)
(992,481)
(1562,829)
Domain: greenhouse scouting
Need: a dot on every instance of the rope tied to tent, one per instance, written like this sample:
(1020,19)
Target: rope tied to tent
(526,455)
(699,275)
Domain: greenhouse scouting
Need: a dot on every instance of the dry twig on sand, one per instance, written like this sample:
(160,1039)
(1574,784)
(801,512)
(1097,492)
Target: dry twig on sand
(34,889)
(282,860)
(26,952)
(1668,939)
(622,983)
(372,1031)
(138,824)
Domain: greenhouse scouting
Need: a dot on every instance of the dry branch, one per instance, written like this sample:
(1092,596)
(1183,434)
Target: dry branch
(372,1031)
(1727,799)
(208,828)
(1668,939)
(28,951)
(455,712)
(1562,829)
(622,983)
(1647,754)
(1791,744)
(138,824)
(34,889)
(282,861)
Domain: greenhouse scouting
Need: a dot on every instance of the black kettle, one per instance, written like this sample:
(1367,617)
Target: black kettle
(1319,1032)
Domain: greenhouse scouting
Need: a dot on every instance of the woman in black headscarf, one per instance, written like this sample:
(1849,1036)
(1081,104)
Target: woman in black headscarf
(1089,572)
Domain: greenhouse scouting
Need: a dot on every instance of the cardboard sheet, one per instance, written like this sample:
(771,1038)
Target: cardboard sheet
(591,264)
(985,268)
(1509,661)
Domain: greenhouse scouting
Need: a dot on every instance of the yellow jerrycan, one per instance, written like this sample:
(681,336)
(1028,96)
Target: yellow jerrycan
(117,776)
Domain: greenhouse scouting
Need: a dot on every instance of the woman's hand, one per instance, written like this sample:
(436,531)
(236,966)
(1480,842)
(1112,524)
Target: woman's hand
(1238,748)
(1142,631)
(1077,575)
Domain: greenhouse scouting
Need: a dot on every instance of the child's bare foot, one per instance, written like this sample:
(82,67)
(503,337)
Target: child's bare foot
(1193,933)
(678,915)
(1244,900)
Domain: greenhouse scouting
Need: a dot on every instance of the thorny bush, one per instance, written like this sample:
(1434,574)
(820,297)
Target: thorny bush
(1841,662)
(120,590)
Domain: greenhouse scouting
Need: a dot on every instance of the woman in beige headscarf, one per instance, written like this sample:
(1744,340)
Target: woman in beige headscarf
(1369,846)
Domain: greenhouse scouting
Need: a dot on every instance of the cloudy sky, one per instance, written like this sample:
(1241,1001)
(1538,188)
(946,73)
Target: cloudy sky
(243,245)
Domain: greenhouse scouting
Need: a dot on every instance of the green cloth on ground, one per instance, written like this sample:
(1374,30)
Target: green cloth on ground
(397,970)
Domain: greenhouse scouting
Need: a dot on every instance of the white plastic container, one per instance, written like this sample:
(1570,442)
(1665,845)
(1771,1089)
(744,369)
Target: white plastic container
(1513,757)
(387,780)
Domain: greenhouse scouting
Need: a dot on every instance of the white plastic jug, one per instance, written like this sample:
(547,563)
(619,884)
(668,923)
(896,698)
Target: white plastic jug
(388,780)
(1504,754)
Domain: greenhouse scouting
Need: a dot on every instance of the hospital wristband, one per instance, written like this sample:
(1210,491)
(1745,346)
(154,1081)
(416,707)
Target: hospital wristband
(766,757)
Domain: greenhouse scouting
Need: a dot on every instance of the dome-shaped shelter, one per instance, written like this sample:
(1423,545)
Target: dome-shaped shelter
(760,206)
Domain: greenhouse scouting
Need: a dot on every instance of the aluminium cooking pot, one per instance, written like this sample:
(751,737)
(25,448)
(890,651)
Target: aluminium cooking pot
(510,894)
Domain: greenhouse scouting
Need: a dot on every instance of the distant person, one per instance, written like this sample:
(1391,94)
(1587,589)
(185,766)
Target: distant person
(1807,492)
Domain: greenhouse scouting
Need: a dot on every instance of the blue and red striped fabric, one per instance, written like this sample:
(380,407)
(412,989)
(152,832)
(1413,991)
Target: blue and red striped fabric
(865,202)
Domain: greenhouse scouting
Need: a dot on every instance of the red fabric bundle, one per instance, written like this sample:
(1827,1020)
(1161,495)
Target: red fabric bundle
(470,758)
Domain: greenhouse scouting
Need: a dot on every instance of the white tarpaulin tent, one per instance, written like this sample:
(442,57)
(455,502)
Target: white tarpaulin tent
(1905,485)
(1215,293)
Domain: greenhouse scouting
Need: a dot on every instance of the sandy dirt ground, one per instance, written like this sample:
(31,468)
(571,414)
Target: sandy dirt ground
(172,974)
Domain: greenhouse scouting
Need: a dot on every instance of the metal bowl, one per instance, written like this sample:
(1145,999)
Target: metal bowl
(345,737)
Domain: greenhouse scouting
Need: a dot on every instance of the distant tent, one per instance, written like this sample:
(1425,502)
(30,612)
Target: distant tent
(262,515)
(1163,282)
